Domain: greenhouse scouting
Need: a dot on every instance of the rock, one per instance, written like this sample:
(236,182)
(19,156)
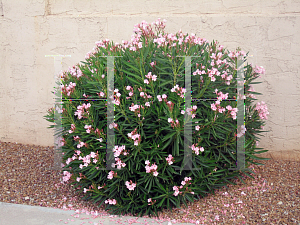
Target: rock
(26,198)
(279,203)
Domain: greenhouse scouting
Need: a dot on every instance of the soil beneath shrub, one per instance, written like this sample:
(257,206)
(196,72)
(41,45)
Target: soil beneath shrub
(273,197)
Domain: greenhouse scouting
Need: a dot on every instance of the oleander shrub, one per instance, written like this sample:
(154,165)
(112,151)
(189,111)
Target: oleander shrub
(149,110)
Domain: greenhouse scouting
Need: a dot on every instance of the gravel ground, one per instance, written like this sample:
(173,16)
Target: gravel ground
(273,197)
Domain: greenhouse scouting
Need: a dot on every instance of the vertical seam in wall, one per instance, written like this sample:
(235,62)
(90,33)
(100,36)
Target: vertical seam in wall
(47,8)
(1,8)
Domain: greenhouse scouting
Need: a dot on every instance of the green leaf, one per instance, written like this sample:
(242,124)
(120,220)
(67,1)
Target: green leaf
(133,81)
(131,66)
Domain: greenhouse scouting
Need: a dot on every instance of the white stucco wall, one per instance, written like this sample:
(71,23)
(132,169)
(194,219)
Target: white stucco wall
(29,30)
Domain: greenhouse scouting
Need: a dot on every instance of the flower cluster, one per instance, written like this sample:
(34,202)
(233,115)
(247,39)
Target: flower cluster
(66,176)
(151,168)
(130,185)
(102,43)
(68,90)
(221,95)
(119,163)
(101,94)
(262,110)
(135,137)
(111,175)
(75,71)
(170,159)
(150,200)
(232,111)
(161,97)
(179,91)
(242,132)
(81,143)
(119,150)
(87,159)
(143,94)
(251,89)
(117,97)
(80,177)
(195,148)
(69,160)
(72,128)
(234,55)
(81,110)
(174,123)
(152,65)
(217,59)
(175,188)
(217,107)
(111,201)
(113,125)
(191,111)
(150,77)
(88,128)
(136,109)
(260,70)
(170,106)
(129,88)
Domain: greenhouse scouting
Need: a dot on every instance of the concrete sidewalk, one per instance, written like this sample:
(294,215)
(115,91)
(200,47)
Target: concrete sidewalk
(16,214)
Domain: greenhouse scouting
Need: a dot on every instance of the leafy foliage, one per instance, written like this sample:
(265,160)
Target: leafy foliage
(149,97)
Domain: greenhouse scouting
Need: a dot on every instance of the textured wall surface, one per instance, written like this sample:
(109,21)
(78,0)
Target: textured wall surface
(29,30)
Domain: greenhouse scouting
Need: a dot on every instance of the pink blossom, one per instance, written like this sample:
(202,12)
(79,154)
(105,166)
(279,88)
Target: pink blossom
(110,175)
(213,107)
(159,98)
(228,107)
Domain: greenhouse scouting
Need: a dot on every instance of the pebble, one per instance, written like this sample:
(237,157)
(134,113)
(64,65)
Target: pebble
(26,198)
(279,203)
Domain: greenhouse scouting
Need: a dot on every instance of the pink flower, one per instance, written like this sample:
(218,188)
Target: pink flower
(228,107)
(112,202)
(159,98)
(93,154)
(67,176)
(259,69)
(213,107)
(110,175)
